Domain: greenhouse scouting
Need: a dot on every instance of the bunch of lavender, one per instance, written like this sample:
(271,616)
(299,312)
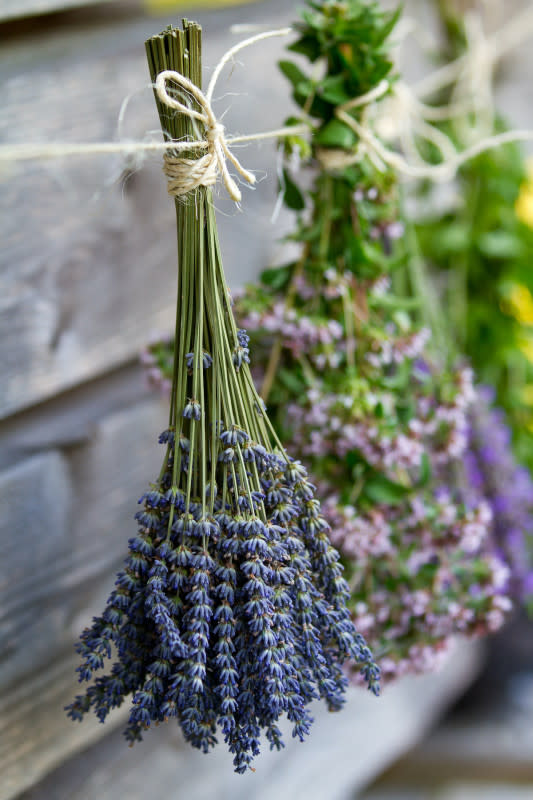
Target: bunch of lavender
(231,608)
(493,472)
(347,375)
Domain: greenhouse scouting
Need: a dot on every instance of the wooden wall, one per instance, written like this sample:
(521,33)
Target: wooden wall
(87,272)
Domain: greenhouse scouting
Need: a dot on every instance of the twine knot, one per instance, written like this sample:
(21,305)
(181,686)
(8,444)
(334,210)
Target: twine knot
(186,174)
(213,132)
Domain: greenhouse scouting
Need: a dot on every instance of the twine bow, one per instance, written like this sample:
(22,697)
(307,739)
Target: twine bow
(403,116)
(186,174)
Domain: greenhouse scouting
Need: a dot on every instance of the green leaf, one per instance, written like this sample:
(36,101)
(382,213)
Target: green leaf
(425,470)
(380,489)
(500,244)
(303,89)
(292,72)
(334,90)
(290,380)
(292,196)
(276,278)
(394,301)
(453,238)
(353,459)
(336,134)
(389,25)
(309,234)
(308,46)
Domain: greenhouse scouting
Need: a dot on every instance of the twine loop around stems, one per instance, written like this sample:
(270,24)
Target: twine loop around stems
(403,116)
(186,174)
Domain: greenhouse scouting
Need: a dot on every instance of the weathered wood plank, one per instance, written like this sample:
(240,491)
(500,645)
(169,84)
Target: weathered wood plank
(65,523)
(64,528)
(35,498)
(35,733)
(70,420)
(343,754)
(88,261)
(17,9)
(496,743)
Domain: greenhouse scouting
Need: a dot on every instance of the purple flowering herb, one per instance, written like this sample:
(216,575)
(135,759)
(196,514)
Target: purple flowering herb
(493,472)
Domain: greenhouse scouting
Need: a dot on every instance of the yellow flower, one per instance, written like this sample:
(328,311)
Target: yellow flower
(527,394)
(524,201)
(526,347)
(520,303)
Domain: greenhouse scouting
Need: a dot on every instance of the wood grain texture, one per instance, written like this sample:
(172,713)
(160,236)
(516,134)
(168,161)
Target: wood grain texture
(35,733)
(16,9)
(34,533)
(65,524)
(88,259)
(343,754)
(495,743)
(69,420)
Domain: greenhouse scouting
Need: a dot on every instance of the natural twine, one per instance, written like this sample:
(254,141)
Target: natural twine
(402,116)
(405,117)
(186,174)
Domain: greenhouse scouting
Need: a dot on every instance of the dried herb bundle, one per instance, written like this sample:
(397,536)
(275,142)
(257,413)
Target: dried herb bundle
(347,364)
(350,375)
(231,609)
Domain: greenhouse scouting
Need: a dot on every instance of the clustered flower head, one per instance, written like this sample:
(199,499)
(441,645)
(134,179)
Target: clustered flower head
(231,609)
(493,472)
(302,334)
(432,572)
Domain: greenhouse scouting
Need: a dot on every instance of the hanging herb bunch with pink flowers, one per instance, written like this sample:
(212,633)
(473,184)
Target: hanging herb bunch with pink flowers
(349,374)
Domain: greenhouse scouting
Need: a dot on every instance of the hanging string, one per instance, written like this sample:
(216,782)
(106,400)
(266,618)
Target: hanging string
(403,116)
(184,174)
(391,112)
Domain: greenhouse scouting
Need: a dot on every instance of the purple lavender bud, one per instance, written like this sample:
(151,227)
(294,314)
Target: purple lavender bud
(192,410)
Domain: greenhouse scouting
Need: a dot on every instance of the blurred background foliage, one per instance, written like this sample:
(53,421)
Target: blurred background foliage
(480,249)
